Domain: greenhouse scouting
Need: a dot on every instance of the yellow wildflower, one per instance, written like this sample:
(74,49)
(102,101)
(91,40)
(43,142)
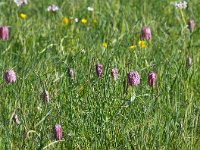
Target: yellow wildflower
(104,45)
(132,47)
(23,16)
(66,21)
(142,44)
(94,20)
(84,21)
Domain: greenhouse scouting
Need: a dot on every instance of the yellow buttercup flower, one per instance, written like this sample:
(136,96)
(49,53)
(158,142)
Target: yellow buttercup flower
(84,21)
(104,45)
(66,21)
(132,47)
(23,16)
(142,44)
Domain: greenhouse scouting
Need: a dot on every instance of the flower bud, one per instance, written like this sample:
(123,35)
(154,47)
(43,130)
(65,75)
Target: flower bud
(45,96)
(114,74)
(133,78)
(57,130)
(152,77)
(191,25)
(145,33)
(10,76)
(4,33)
(15,119)
(99,70)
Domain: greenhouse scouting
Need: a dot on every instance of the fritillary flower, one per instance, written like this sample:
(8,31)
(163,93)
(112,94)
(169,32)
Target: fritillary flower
(189,62)
(57,130)
(4,33)
(145,33)
(45,96)
(114,74)
(191,25)
(15,119)
(99,70)
(10,76)
(133,78)
(152,77)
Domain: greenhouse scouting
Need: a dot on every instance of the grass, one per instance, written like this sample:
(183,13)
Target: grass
(100,113)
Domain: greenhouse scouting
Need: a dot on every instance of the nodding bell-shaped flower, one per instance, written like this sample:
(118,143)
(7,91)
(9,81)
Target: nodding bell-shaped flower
(99,70)
(15,119)
(145,33)
(10,76)
(133,78)
(57,130)
(191,25)
(114,74)
(189,62)
(4,33)
(45,96)
(71,73)
(152,77)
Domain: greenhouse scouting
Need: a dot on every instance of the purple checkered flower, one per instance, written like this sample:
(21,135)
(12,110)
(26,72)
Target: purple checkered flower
(152,77)
(99,70)
(191,25)
(145,33)
(57,130)
(4,33)
(10,76)
(114,74)
(133,78)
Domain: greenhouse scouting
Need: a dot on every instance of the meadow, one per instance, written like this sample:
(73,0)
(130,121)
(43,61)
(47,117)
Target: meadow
(58,50)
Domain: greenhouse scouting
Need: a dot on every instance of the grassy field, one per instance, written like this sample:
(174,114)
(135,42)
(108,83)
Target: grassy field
(100,113)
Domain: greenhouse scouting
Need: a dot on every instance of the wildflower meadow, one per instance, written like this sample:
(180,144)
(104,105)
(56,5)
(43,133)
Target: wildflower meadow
(100,74)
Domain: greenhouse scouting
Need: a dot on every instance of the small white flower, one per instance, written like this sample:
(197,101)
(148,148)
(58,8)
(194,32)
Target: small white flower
(52,8)
(76,19)
(20,2)
(83,51)
(90,9)
(180,5)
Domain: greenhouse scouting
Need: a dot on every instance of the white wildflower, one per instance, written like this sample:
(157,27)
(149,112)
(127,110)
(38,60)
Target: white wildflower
(180,5)
(52,8)
(20,2)
(76,19)
(90,9)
